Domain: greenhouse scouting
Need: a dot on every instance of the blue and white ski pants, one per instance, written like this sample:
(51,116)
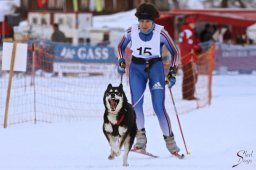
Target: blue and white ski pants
(138,79)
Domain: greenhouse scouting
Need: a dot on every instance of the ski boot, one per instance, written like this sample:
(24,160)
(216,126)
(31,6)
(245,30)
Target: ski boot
(141,140)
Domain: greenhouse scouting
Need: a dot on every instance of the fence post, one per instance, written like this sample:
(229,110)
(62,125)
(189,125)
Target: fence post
(9,85)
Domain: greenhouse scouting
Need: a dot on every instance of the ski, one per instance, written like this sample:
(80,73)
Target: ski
(179,156)
(141,151)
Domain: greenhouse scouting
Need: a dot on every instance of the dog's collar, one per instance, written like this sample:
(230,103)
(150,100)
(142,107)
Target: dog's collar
(120,120)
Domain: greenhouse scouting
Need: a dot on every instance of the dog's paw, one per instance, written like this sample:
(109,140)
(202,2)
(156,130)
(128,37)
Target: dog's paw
(108,127)
(111,157)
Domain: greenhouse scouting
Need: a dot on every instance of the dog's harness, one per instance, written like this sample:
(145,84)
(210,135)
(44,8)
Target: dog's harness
(119,121)
(149,63)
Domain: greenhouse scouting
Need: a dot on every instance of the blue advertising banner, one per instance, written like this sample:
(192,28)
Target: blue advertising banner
(235,57)
(83,53)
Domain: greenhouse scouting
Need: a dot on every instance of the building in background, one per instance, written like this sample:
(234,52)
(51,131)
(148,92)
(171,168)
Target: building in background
(97,7)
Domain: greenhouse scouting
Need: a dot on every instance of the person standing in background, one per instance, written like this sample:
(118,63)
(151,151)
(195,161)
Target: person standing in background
(189,47)
(6,30)
(57,35)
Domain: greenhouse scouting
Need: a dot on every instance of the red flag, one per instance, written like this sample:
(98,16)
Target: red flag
(42,3)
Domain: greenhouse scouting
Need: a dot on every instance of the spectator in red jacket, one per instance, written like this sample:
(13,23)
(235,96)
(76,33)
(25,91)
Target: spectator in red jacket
(189,47)
(6,30)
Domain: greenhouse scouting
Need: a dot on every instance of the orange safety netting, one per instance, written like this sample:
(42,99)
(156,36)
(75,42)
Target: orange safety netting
(70,90)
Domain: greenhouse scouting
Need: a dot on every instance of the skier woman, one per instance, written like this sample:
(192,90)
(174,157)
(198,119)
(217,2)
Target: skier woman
(147,39)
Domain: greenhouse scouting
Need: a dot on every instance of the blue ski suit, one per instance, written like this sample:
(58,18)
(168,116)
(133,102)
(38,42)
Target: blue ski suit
(138,76)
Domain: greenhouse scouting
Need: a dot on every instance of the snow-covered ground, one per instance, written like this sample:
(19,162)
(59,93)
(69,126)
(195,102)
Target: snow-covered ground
(214,136)
(121,20)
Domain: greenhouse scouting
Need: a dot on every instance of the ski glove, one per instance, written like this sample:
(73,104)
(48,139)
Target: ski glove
(121,66)
(171,76)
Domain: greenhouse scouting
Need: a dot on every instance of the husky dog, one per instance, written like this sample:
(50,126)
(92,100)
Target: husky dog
(119,124)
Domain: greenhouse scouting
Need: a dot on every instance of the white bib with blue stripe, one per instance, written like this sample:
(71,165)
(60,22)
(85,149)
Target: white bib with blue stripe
(146,49)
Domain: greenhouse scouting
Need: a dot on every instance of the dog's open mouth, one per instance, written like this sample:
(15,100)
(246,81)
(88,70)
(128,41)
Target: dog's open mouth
(113,103)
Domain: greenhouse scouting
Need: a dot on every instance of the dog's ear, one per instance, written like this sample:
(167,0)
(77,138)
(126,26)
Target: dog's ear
(109,86)
(120,86)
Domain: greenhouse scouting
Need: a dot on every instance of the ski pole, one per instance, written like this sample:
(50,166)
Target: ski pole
(188,153)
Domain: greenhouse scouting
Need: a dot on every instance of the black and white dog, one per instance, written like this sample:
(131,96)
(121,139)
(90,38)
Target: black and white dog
(119,124)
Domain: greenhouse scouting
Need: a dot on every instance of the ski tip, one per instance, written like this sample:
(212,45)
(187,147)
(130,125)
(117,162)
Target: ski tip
(179,156)
(182,156)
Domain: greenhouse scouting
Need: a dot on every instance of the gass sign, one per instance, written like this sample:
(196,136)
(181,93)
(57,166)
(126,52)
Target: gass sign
(84,54)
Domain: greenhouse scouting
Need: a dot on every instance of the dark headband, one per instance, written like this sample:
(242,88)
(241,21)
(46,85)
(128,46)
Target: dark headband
(145,16)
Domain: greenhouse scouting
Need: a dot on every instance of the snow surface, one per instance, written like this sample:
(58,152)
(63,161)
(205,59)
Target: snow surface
(118,20)
(213,135)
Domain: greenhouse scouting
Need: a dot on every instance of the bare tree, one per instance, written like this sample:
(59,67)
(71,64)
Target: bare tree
(236,3)
(240,3)
(224,4)
(176,4)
